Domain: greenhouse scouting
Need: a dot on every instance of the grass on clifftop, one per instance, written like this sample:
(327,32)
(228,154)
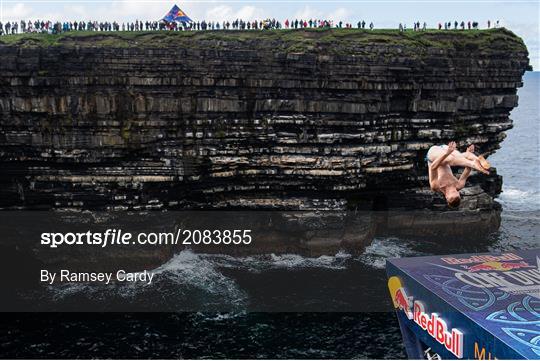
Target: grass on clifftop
(297,40)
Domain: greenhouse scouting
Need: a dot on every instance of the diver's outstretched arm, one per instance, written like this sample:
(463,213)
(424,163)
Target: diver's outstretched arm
(463,178)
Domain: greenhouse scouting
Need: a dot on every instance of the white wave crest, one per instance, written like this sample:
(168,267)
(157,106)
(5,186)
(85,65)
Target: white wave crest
(515,194)
(189,268)
(380,249)
(186,269)
(518,199)
(261,263)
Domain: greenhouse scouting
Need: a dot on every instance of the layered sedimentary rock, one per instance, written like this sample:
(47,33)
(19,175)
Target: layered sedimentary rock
(297,120)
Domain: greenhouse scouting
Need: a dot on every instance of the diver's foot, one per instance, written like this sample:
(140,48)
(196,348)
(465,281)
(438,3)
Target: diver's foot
(479,167)
(483,162)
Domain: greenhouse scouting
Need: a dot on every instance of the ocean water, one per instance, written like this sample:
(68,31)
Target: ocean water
(518,161)
(329,283)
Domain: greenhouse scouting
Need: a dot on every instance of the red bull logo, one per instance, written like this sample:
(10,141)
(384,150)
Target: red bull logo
(506,257)
(399,297)
(436,327)
(403,302)
(497,266)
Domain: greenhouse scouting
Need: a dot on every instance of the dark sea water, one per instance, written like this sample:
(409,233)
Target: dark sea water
(325,283)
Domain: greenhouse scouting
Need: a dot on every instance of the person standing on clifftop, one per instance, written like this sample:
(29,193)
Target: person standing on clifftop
(441,158)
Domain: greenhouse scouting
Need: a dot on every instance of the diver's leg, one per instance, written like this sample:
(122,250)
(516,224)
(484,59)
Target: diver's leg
(469,154)
(458,159)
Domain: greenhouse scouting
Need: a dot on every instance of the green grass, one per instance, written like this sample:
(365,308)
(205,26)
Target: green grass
(340,41)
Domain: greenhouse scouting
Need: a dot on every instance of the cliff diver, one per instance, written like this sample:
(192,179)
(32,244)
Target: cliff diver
(441,179)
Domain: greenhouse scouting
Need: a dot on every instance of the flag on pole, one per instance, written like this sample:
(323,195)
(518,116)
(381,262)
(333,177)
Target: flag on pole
(176,14)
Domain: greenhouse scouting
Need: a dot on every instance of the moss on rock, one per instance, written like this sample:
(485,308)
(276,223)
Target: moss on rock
(337,41)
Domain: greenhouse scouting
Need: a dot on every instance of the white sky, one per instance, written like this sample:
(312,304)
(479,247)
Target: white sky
(520,16)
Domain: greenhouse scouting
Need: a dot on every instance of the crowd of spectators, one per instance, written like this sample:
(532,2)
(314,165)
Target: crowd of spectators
(470,25)
(47,26)
(44,26)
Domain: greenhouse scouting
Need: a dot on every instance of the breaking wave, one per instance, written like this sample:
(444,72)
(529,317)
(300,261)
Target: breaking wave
(514,194)
(187,280)
(380,249)
(202,280)
(261,263)
(517,199)
(194,281)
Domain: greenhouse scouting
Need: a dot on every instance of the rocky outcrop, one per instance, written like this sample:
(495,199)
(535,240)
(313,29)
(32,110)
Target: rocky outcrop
(296,120)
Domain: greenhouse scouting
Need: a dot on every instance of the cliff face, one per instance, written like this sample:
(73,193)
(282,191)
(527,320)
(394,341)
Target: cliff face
(286,120)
